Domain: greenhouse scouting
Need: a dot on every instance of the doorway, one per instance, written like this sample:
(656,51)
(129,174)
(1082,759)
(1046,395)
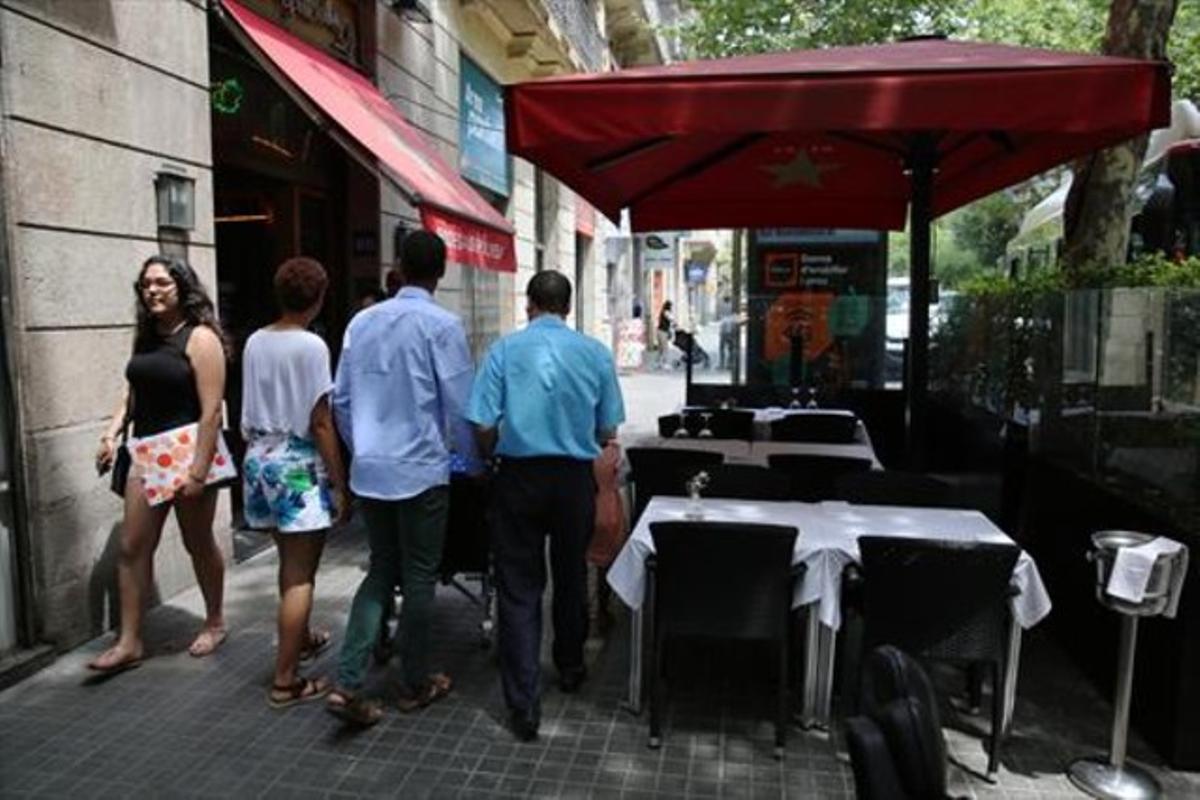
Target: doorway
(9,585)
(583,258)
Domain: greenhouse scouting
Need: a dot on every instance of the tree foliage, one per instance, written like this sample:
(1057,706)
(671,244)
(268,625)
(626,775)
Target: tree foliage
(719,28)
(985,226)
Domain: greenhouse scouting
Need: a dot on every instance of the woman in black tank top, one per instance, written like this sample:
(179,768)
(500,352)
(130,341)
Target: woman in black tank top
(175,377)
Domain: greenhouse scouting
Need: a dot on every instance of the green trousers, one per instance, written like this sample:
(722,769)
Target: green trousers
(406,539)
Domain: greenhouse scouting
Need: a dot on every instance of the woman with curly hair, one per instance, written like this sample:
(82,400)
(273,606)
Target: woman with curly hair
(175,377)
(295,484)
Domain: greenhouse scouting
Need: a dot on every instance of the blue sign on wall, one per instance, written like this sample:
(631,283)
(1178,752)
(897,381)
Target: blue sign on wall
(481,154)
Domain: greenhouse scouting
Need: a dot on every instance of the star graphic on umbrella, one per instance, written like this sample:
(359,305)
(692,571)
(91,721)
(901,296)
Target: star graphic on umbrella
(801,169)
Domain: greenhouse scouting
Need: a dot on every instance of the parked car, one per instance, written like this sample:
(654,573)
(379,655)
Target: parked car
(897,326)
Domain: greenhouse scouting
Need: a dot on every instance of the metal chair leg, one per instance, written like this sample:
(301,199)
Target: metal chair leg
(781,707)
(997,719)
(656,658)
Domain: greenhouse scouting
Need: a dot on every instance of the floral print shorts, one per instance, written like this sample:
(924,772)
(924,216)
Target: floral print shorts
(286,488)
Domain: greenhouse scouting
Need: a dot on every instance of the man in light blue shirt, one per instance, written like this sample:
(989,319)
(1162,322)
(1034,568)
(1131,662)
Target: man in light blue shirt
(401,389)
(545,401)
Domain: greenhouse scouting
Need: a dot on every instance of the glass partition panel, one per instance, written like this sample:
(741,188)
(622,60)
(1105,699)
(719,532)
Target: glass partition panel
(1105,382)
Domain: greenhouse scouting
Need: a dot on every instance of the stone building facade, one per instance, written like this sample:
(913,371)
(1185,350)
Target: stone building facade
(104,100)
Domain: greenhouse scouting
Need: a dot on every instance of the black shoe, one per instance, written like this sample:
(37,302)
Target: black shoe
(524,726)
(570,680)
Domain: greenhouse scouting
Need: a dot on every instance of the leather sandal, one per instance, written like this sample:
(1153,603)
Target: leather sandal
(435,688)
(316,643)
(353,708)
(302,690)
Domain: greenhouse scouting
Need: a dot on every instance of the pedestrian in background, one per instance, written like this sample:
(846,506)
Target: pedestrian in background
(370,297)
(392,282)
(295,484)
(664,333)
(728,333)
(175,378)
(402,387)
(545,401)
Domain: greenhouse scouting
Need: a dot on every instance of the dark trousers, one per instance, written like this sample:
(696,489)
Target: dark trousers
(534,498)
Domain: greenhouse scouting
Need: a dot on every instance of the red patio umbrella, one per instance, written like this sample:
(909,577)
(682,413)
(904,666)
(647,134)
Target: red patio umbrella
(841,137)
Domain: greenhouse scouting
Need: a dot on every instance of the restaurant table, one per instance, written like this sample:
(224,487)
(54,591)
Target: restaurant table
(827,542)
(739,451)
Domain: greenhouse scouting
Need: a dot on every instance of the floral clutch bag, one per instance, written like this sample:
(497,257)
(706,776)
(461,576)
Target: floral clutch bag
(162,461)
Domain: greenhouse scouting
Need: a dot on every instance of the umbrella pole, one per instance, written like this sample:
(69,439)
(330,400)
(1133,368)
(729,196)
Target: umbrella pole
(922,160)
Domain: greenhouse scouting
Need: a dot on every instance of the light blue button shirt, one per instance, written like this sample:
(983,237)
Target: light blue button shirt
(549,390)
(402,386)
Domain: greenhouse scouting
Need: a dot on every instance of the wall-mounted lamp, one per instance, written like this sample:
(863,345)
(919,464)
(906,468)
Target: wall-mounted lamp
(412,10)
(176,200)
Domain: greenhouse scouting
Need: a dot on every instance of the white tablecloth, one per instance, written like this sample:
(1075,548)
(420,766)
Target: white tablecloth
(738,451)
(828,541)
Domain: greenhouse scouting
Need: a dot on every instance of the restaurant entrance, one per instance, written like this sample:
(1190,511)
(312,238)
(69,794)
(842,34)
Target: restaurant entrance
(279,190)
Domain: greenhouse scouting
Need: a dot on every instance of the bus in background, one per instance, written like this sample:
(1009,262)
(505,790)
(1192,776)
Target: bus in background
(1166,215)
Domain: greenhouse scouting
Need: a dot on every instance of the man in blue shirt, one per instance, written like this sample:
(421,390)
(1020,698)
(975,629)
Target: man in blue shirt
(545,401)
(401,389)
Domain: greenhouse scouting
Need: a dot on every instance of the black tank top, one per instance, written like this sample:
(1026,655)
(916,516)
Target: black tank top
(164,387)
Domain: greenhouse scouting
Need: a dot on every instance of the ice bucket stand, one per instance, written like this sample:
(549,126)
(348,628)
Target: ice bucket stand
(1112,776)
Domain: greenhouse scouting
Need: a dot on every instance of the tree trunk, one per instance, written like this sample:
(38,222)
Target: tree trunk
(1098,207)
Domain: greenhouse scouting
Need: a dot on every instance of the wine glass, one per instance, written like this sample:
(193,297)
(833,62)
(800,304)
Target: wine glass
(681,432)
(812,397)
(705,431)
(795,398)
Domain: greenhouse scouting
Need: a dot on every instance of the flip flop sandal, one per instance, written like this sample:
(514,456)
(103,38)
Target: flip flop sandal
(437,687)
(317,642)
(302,691)
(118,668)
(354,709)
(212,640)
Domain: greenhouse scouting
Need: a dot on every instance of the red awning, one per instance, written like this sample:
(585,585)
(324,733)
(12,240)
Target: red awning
(824,138)
(475,233)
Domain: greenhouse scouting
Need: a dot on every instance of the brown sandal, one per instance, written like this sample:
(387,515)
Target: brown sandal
(302,690)
(353,709)
(316,643)
(437,687)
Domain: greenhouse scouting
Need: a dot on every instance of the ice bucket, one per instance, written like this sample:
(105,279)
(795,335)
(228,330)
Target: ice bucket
(1158,590)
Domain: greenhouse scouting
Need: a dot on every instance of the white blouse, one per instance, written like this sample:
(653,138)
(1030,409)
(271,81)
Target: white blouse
(284,374)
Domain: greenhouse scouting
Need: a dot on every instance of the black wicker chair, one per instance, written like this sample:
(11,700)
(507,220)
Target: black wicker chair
(942,601)
(814,426)
(896,746)
(658,471)
(725,581)
(814,477)
(893,488)
(723,423)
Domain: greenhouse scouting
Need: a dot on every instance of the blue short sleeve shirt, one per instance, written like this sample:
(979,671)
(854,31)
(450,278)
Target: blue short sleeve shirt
(549,390)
